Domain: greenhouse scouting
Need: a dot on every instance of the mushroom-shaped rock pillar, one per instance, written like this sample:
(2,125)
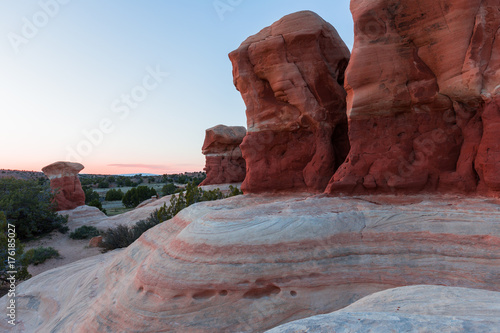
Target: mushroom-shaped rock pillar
(224,163)
(64,181)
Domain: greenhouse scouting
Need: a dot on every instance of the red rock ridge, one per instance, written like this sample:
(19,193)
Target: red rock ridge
(423,97)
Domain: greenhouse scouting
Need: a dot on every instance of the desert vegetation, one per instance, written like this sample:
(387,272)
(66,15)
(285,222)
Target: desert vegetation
(84,232)
(26,212)
(108,192)
(28,205)
(21,260)
(123,236)
(40,254)
(136,195)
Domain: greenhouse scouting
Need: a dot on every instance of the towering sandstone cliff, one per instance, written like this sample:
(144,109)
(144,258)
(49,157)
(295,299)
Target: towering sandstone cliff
(423,97)
(64,181)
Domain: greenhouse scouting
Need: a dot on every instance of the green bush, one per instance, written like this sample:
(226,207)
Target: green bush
(103,184)
(85,181)
(84,232)
(41,254)
(114,195)
(30,207)
(191,195)
(90,195)
(122,236)
(168,189)
(118,237)
(136,195)
(21,260)
(98,204)
(234,191)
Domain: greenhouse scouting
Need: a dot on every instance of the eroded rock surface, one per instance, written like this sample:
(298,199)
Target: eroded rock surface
(410,309)
(423,97)
(224,162)
(291,77)
(64,181)
(250,263)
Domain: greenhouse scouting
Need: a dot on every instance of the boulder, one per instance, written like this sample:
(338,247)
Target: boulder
(95,241)
(224,162)
(423,95)
(291,77)
(410,309)
(253,262)
(64,181)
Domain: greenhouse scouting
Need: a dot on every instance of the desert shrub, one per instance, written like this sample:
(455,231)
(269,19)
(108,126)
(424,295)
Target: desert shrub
(97,203)
(118,237)
(142,226)
(85,181)
(84,232)
(168,189)
(30,207)
(114,195)
(136,195)
(122,236)
(192,195)
(198,180)
(21,260)
(40,254)
(103,184)
(90,194)
(234,191)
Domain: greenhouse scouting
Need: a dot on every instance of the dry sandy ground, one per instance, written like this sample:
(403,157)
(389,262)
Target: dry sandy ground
(70,250)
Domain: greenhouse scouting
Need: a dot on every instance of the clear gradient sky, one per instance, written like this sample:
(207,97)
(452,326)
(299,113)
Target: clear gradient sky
(127,86)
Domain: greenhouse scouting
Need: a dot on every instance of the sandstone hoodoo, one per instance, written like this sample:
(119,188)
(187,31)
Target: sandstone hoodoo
(291,77)
(224,162)
(423,97)
(64,181)
(423,100)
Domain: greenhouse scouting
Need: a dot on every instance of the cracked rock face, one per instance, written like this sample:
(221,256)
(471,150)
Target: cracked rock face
(65,182)
(224,162)
(291,77)
(423,97)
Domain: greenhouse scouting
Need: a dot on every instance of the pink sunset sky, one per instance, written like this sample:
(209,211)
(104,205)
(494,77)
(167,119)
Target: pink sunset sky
(127,87)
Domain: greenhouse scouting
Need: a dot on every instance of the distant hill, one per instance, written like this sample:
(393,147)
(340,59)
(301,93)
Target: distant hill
(133,174)
(21,174)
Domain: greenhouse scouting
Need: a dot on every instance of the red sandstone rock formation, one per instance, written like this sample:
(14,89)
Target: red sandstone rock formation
(291,76)
(224,162)
(423,95)
(64,180)
(95,241)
